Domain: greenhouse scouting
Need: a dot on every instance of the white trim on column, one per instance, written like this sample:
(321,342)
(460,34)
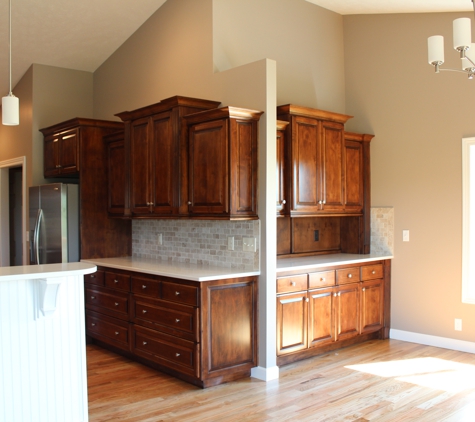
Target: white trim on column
(265,374)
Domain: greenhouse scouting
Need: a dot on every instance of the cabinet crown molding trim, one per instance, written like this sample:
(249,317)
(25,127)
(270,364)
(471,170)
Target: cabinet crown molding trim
(223,113)
(313,112)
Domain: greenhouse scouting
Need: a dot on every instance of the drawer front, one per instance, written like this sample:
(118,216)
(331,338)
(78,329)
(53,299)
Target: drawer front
(146,286)
(104,327)
(180,293)
(370,272)
(293,283)
(117,281)
(348,275)
(321,279)
(162,315)
(112,301)
(96,278)
(174,353)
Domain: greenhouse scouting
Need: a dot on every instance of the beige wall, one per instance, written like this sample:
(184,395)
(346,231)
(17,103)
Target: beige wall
(419,118)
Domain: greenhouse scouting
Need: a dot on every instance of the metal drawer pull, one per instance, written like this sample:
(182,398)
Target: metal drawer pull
(350,275)
(177,354)
(177,320)
(177,293)
(144,286)
(93,297)
(144,311)
(116,333)
(144,343)
(116,304)
(292,283)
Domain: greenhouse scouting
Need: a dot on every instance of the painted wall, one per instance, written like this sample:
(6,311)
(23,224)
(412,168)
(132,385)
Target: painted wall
(419,119)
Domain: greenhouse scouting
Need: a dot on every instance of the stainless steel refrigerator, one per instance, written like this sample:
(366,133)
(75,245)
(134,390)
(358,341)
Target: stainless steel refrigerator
(54,223)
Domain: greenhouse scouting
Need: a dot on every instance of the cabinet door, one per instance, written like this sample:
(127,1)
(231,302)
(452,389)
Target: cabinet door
(69,152)
(306,171)
(347,306)
(354,181)
(281,176)
(51,156)
(117,193)
(208,168)
(371,305)
(140,167)
(291,323)
(321,329)
(164,164)
(333,172)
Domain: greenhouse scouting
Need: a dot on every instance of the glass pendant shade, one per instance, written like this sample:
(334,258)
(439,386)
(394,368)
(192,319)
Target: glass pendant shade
(10,110)
(462,33)
(436,49)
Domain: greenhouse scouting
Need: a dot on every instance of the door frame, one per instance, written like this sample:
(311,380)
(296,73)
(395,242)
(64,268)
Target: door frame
(4,210)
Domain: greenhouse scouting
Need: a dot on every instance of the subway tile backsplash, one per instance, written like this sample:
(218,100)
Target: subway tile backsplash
(196,242)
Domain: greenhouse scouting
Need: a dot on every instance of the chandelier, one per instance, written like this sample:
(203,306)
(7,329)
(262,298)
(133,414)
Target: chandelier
(462,38)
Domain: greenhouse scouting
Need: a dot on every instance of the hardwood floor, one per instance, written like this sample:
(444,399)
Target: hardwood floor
(380,381)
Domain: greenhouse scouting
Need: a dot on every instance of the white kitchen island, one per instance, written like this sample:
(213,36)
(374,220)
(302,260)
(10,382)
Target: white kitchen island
(43,374)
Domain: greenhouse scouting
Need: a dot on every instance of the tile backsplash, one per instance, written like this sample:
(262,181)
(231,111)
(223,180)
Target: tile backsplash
(196,242)
(382,230)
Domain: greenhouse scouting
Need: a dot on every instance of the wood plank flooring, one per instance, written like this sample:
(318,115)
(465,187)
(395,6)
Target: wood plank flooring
(382,381)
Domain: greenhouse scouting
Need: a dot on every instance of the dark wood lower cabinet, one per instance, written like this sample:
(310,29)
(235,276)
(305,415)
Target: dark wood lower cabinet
(332,308)
(202,332)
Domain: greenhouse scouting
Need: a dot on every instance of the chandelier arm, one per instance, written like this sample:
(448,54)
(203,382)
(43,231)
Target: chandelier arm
(452,70)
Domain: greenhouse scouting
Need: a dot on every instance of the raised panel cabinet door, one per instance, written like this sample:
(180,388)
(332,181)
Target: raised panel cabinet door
(372,296)
(347,305)
(333,172)
(321,328)
(306,170)
(208,168)
(164,165)
(69,152)
(140,167)
(354,181)
(292,312)
(51,156)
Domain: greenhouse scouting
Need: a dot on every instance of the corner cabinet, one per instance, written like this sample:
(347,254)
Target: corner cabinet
(157,146)
(223,163)
(331,308)
(184,328)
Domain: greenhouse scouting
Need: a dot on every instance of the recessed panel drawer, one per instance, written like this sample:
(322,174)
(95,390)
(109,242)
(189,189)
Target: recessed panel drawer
(370,272)
(321,279)
(96,278)
(116,303)
(348,275)
(146,286)
(101,326)
(117,281)
(180,293)
(293,283)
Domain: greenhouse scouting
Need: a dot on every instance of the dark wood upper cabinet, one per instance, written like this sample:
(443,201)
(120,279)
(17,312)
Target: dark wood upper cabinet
(157,144)
(78,145)
(223,163)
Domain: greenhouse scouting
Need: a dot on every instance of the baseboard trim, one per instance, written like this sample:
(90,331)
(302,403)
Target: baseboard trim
(443,342)
(265,374)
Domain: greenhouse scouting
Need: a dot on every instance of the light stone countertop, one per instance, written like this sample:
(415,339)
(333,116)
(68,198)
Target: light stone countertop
(193,272)
(34,272)
(309,263)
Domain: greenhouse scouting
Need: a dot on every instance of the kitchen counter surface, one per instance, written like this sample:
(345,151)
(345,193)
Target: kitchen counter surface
(193,272)
(308,263)
(33,272)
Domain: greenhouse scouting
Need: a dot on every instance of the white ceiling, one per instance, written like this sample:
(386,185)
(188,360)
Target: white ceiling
(82,34)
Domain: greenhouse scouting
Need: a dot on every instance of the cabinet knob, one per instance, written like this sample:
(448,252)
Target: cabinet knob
(116,304)
(92,276)
(307,299)
(284,201)
(292,283)
(116,333)
(144,343)
(144,311)
(373,272)
(144,286)
(177,293)
(177,320)
(339,294)
(116,281)
(363,289)
(320,202)
(322,279)
(58,166)
(93,324)
(335,295)
(350,275)
(189,202)
(177,354)
(93,297)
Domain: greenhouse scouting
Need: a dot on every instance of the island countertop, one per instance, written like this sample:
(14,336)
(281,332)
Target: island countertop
(192,272)
(309,263)
(33,272)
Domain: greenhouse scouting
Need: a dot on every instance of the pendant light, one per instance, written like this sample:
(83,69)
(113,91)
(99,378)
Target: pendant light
(10,103)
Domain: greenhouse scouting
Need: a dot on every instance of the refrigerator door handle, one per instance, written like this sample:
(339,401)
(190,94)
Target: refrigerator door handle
(36,237)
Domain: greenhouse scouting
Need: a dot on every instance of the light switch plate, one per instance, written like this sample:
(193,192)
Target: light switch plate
(405,235)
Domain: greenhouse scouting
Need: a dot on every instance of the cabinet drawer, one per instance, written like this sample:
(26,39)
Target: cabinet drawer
(321,279)
(114,331)
(370,272)
(96,278)
(293,283)
(157,315)
(175,353)
(146,286)
(180,293)
(117,281)
(348,275)
(114,303)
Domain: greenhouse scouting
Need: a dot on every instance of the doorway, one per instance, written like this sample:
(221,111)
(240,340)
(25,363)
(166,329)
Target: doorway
(13,244)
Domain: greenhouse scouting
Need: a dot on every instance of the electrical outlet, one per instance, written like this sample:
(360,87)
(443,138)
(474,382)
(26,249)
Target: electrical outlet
(230,243)
(160,239)
(405,235)
(458,324)
(249,244)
